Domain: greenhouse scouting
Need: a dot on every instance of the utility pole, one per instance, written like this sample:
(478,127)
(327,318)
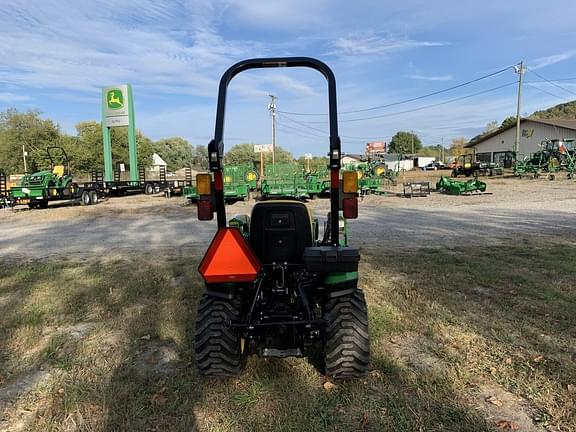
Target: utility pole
(412,137)
(272,109)
(519,69)
(24,154)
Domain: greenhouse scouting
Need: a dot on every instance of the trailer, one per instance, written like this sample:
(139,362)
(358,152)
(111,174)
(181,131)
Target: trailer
(4,196)
(38,189)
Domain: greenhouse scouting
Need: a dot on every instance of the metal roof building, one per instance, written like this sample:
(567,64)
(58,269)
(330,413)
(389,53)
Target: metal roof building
(497,146)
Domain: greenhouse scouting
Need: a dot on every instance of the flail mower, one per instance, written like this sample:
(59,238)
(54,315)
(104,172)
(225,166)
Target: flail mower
(272,287)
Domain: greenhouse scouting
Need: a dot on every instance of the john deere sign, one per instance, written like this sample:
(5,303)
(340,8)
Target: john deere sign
(115,105)
(118,110)
(115,99)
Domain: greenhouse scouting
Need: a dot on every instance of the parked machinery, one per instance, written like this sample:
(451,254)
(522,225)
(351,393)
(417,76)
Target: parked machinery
(456,187)
(53,184)
(554,156)
(272,286)
(466,165)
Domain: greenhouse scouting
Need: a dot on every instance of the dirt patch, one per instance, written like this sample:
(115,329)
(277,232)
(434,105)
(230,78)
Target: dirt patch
(504,409)
(157,357)
(416,352)
(498,406)
(24,384)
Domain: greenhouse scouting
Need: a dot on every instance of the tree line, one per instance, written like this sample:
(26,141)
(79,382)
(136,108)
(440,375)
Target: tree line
(27,131)
(85,151)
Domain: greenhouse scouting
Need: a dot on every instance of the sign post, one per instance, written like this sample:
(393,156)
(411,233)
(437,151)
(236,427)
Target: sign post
(308,157)
(263,148)
(118,111)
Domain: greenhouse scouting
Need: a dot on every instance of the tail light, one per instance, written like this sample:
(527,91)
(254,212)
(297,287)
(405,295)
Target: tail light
(204,204)
(350,194)
(350,182)
(350,208)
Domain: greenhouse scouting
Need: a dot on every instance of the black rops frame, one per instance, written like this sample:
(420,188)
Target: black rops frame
(51,157)
(216,146)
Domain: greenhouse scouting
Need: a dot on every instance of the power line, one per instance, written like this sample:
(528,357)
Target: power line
(407,111)
(547,92)
(551,82)
(315,132)
(405,100)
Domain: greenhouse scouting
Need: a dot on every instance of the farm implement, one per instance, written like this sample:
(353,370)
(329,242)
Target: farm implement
(371,175)
(455,187)
(553,157)
(293,180)
(273,287)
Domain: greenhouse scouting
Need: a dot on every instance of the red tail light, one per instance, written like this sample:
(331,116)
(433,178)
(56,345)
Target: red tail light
(350,208)
(205,211)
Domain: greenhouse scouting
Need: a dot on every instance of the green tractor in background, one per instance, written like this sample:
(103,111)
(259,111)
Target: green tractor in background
(555,155)
(370,175)
(39,188)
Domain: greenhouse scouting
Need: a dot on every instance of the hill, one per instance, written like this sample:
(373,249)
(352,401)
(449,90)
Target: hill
(565,111)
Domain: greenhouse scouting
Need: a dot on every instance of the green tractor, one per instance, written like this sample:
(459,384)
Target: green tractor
(554,156)
(273,287)
(53,184)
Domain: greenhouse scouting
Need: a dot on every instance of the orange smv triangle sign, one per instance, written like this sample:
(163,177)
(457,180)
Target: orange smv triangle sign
(229,259)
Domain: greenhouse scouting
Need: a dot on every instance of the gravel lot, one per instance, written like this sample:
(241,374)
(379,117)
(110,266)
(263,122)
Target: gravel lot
(512,209)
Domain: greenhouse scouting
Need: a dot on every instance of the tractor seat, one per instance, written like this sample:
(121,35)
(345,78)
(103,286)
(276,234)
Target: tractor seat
(58,170)
(280,230)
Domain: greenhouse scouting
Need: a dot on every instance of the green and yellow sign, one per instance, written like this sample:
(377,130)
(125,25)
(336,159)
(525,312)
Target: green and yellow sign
(116,104)
(115,99)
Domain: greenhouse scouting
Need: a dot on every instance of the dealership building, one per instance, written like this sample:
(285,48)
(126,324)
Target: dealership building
(498,146)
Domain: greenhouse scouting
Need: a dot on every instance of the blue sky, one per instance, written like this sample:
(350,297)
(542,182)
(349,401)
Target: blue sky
(56,55)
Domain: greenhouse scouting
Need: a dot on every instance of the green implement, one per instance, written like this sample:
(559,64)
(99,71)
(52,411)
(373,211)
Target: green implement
(456,187)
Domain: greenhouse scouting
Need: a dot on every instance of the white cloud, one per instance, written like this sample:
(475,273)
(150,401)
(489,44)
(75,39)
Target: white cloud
(431,77)
(13,97)
(542,62)
(372,44)
(82,49)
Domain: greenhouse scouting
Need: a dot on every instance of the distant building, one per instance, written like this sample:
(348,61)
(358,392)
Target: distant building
(498,146)
(157,162)
(351,158)
(397,162)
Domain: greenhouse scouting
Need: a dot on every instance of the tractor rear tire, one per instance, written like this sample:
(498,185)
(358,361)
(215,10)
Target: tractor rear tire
(347,342)
(218,347)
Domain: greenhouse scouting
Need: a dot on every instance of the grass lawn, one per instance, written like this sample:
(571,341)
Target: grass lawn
(462,340)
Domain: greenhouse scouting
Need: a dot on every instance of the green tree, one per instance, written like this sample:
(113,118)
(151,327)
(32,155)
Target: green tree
(89,153)
(457,146)
(26,129)
(508,121)
(176,152)
(491,127)
(317,163)
(405,142)
(200,157)
(244,153)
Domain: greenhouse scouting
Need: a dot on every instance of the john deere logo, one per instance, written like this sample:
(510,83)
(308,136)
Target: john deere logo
(115,99)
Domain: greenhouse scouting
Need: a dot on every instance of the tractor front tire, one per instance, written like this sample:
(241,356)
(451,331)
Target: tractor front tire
(218,347)
(347,343)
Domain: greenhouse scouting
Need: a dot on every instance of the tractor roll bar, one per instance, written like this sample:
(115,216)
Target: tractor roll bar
(216,146)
